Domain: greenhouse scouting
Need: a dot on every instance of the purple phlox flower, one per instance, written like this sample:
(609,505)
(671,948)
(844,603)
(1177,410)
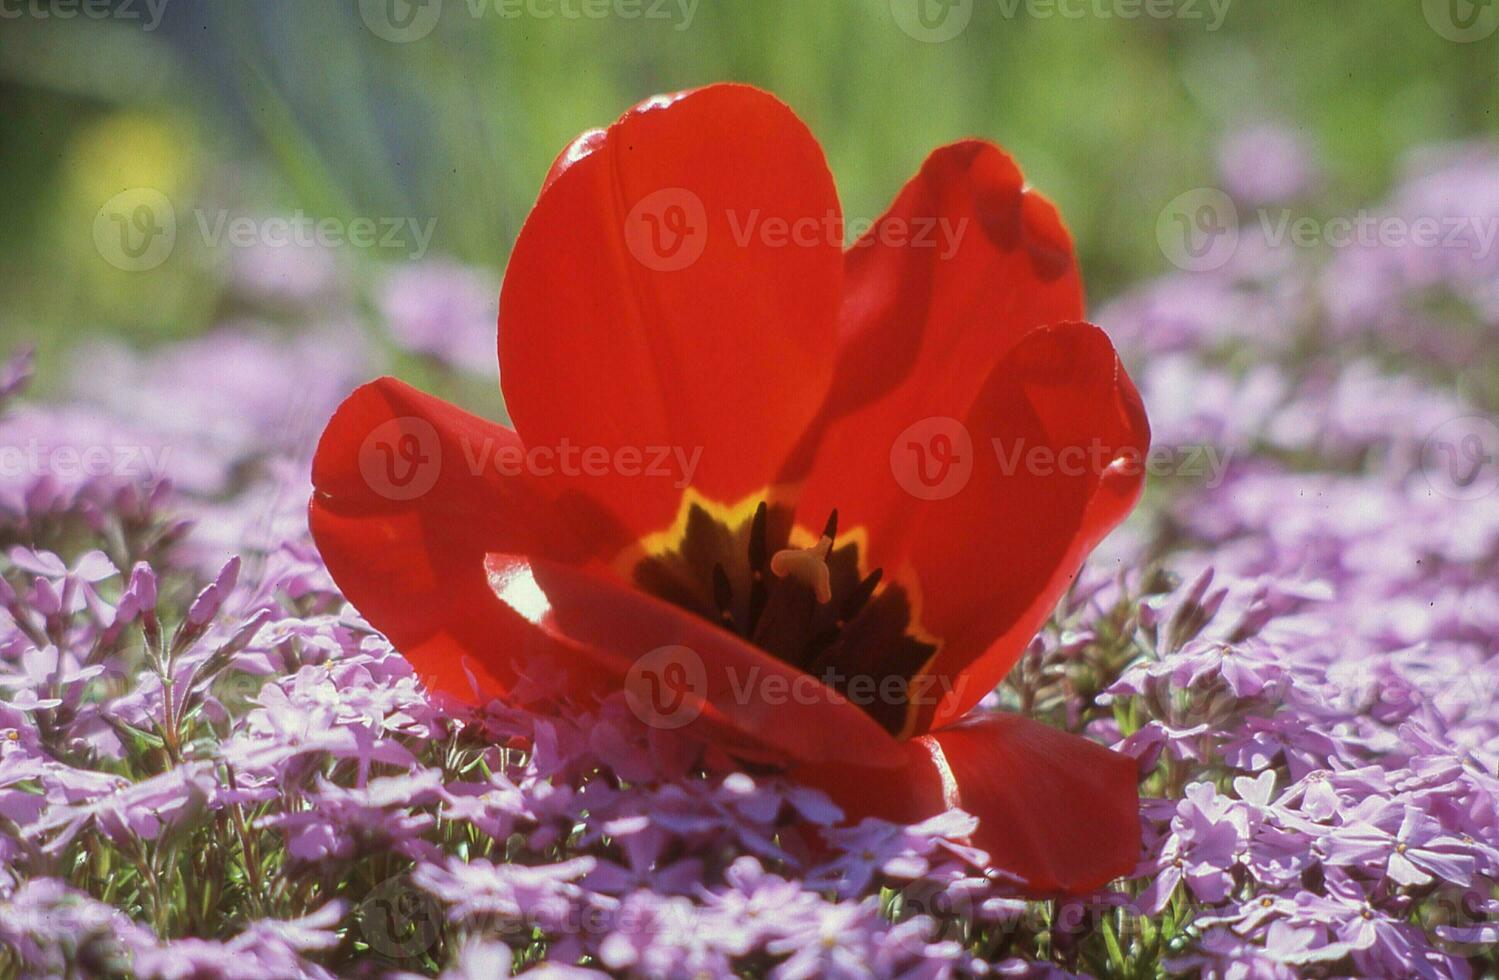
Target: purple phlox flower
(444,310)
(837,942)
(342,823)
(1250,916)
(139,596)
(93,567)
(1222,955)
(517,896)
(1274,850)
(281,730)
(874,848)
(1246,669)
(1172,619)
(46,678)
(295,569)
(1268,601)
(313,931)
(267,948)
(480,959)
(1195,312)
(1147,744)
(208,602)
(52,929)
(1213,411)
(1484,933)
(1030,970)
(1314,796)
(1266,163)
(1381,945)
(644,848)
(495,807)
(1207,836)
(1399,840)
(16,372)
(1360,409)
(907,951)
(662,936)
(231,396)
(736,808)
(141,810)
(755,906)
(295,272)
(1260,741)
(561,971)
(58,590)
(635,751)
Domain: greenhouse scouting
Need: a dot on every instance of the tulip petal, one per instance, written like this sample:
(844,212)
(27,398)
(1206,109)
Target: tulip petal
(660,303)
(408,499)
(965,262)
(1058,810)
(680,671)
(984,518)
(1059,441)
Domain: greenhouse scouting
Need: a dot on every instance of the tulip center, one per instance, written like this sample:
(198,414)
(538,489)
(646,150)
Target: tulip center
(804,599)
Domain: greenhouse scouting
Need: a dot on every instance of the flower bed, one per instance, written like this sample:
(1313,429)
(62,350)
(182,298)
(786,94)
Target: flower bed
(210,766)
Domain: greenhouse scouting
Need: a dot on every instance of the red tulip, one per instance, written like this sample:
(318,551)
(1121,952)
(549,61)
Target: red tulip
(811,502)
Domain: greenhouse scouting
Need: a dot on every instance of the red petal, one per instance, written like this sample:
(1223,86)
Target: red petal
(964,263)
(408,499)
(731,693)
(993,559)
(1058,810)
(651,304)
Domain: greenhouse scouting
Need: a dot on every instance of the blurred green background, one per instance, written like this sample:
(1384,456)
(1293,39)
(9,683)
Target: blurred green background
(450,111)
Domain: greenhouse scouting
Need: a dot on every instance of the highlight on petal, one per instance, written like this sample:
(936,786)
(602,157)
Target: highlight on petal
(409,494)
(682,671)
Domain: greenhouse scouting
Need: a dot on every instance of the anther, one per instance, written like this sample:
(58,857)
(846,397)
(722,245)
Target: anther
(807,565)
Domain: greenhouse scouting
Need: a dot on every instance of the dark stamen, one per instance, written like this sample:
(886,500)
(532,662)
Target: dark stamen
(723,595)
(757,549)
(830,529)
(857,598)
(758,557)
